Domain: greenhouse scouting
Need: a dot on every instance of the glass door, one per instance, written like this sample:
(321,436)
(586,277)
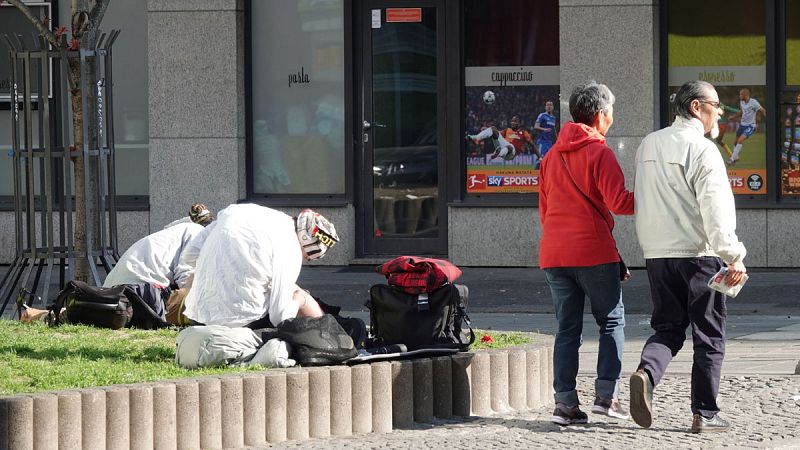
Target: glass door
(402,128)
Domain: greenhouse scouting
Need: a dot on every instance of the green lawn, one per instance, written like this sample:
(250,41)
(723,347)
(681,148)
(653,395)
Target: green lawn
(35,358)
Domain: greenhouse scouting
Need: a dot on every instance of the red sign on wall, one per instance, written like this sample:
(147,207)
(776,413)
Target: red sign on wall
(403,14)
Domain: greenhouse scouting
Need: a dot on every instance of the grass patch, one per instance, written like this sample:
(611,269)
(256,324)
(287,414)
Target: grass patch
(499,339)
(36,358)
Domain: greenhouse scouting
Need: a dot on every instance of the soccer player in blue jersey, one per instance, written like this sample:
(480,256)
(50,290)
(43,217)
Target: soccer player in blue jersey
(546,129)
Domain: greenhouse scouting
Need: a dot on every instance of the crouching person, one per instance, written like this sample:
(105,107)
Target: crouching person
(151,266)
(246,266)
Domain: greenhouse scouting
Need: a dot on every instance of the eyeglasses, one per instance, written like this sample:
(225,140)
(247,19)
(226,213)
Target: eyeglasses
(713,104)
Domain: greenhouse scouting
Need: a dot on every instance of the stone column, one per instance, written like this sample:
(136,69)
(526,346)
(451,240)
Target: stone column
(625,58)
(196,89)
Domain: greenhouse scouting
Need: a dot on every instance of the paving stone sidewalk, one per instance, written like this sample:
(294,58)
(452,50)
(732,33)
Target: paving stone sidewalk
(763,411)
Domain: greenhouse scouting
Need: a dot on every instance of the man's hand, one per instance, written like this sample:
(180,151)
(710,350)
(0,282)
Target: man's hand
(735,274)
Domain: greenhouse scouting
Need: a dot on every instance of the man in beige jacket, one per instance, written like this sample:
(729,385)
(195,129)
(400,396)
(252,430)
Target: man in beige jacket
(686,224)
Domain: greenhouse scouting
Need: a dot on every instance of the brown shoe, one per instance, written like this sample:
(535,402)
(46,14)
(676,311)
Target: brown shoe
(641,399)
(715,424)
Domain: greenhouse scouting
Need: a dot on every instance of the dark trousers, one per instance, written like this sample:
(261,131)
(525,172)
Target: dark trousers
(681,297)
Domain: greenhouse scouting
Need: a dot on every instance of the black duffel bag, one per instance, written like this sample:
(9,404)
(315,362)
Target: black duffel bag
(113,307)
(434,320)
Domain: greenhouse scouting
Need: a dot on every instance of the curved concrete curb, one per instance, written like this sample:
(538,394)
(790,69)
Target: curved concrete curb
(250,409)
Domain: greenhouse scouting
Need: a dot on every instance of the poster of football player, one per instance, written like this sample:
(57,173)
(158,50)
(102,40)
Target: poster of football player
(508,130)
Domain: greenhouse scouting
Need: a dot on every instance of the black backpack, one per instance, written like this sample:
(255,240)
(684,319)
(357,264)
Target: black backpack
(317,341)
(434,320)
(114,307)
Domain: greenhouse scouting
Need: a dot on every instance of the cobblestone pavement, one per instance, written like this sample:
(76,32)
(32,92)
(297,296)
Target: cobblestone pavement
(763,411)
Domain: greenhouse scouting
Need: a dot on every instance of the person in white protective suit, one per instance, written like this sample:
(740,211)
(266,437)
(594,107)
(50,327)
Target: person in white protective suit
(246,266)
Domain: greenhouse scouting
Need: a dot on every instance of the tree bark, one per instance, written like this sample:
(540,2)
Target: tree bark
(79,232)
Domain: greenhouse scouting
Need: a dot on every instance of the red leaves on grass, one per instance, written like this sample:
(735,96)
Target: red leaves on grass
(486,339)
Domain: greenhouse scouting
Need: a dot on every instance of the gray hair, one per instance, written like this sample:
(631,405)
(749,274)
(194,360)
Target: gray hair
(690,91)
(587,100)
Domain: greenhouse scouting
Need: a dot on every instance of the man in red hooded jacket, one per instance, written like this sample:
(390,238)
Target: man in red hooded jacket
(581,185)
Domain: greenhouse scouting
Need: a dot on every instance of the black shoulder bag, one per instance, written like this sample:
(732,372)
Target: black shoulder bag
(624,273)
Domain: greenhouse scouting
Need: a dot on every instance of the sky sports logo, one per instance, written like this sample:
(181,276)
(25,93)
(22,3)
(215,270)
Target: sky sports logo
(513,180)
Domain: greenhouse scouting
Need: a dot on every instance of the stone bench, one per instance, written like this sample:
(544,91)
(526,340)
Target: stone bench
(255,408)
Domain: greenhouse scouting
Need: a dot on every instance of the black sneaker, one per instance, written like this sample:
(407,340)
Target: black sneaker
(568,415)
(641,399)
(715,424)
(610,407)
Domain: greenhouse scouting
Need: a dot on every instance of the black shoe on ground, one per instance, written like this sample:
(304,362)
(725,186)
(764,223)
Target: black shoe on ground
(610,408)
(715,424)
(568,415)
(641,399)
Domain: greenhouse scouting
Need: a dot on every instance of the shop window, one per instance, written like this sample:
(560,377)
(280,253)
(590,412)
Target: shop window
(724,42)
(512,108)
(297,94)
(130,93)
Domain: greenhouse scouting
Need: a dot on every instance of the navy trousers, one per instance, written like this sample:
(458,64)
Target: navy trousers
(682,298)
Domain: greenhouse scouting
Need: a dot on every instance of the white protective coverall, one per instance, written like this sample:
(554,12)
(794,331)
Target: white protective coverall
(246,265)
(155,258)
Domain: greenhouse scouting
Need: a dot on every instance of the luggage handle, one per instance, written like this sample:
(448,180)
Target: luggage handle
(422,303)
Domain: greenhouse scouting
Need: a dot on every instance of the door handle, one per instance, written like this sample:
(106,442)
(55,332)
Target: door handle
(366,126)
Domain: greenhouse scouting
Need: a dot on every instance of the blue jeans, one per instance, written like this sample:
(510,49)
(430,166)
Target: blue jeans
(569,286)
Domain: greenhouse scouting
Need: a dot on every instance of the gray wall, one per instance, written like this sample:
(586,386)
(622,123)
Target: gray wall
(196,105)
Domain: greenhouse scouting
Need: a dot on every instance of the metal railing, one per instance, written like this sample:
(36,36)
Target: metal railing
(44,164)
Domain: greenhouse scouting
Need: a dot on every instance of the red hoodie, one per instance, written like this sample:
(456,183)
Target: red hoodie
(574,234)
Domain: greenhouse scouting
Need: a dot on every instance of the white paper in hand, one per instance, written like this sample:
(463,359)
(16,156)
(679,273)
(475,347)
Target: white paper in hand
(717,283)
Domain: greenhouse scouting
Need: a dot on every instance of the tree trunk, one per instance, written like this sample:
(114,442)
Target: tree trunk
(79,233)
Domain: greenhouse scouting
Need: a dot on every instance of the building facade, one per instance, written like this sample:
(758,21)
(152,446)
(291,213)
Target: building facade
(370,112)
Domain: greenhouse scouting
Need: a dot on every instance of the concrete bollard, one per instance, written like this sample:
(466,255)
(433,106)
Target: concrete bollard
(16,423)
(232,411)
(297,404)
(341,401)
(117,418)
(70,431)
(423,390)
(93,408)
(164,417)
(480,381)
(381,397)
(498,365)
(442,387)
(319,399)
(187,414)
(533,375)
(550,376)
(141,414)
(254,409)
(546,369)
(210,412)
(45,422)
(275,405)
(517,380)
(361,386)
(462,390)
(402,394)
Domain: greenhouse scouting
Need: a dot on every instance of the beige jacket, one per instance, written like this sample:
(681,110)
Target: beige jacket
(683,200)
